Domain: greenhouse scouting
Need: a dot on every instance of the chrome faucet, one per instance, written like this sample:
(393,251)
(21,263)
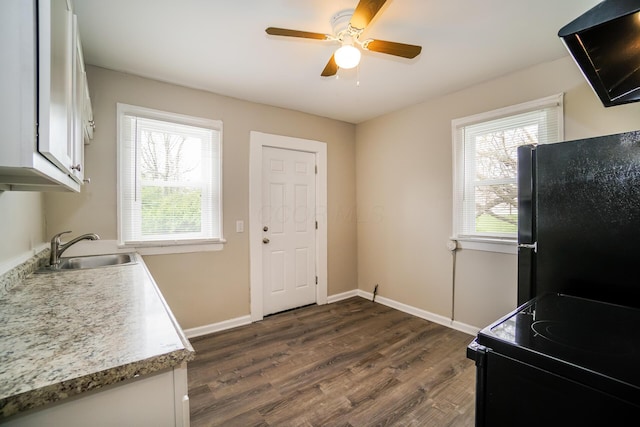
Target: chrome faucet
(57,247)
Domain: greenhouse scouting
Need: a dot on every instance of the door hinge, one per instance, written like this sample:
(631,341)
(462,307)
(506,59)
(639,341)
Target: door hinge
(316,225)
(316,169)
(316,280)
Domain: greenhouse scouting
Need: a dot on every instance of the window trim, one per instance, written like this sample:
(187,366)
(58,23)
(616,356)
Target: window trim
(167,246)
(493,243)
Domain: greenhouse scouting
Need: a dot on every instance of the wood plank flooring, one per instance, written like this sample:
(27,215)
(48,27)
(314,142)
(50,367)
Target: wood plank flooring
(351,363)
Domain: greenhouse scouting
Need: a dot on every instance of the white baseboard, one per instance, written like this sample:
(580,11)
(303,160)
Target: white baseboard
(339,297)
(245,320)
(423,314)
(463,327)
(217,327)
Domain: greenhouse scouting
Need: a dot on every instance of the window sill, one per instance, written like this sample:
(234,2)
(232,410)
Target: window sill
(487,245)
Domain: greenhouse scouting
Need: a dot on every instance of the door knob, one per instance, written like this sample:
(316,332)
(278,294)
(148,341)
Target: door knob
(265,240)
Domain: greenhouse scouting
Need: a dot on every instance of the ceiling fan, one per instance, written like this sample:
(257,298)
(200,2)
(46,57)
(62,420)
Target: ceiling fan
(348,26)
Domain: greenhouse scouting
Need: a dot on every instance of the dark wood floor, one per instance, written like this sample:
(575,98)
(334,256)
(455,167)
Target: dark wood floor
(351,363)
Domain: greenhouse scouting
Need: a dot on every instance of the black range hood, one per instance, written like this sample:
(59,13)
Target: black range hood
(605,43)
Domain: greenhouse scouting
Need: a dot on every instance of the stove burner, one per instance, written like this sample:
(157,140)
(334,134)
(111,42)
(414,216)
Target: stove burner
(582,339)
(559,333)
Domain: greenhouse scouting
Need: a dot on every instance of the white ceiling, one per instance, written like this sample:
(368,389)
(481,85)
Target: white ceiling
(221,46)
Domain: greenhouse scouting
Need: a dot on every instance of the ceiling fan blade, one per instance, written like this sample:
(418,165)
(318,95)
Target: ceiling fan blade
(364,13)
(393,48)
(295,33)
(331,68)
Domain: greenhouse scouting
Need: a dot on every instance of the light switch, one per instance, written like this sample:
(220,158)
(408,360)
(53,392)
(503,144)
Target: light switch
(239,226)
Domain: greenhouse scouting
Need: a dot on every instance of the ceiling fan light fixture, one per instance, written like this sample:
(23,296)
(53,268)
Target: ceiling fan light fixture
(348,26)
(347,56)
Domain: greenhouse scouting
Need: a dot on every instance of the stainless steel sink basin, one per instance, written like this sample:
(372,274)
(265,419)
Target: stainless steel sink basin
(91,261)
(94,261)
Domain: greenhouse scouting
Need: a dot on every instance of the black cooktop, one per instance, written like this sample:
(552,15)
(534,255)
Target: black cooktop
(567,334)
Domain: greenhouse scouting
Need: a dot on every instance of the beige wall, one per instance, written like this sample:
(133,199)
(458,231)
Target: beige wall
(403,175)
(404,182)
(21,225)
(209,287)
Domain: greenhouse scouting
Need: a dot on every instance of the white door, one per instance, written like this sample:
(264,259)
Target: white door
(289,229)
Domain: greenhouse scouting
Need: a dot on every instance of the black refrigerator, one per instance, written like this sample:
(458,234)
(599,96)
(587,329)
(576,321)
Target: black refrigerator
(569,354)
(579,219)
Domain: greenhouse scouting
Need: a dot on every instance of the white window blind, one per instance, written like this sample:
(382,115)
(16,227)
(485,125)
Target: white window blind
(169,178)
(485,172)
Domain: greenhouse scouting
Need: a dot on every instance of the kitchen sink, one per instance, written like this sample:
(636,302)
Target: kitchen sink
(94,261)
(91,261)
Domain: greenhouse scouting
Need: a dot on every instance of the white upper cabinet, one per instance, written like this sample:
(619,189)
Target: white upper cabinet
(87,113)
(77,134)
(55,75)
(43,107)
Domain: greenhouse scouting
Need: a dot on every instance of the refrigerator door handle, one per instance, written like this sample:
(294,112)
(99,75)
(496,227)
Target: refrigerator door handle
(533,246)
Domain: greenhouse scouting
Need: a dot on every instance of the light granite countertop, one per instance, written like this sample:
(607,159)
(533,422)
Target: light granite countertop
(65,333)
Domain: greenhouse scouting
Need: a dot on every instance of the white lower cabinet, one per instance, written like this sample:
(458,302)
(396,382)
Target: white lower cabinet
(157,400)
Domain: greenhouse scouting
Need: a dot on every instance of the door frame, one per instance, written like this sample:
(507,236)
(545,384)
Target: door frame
(258,140)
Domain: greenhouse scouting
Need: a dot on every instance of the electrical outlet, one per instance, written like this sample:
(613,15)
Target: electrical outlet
(239,226)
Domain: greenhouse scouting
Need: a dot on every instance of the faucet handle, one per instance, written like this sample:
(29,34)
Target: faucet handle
(57,236)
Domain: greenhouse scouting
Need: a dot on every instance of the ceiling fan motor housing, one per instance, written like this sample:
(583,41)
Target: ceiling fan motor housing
(340,22)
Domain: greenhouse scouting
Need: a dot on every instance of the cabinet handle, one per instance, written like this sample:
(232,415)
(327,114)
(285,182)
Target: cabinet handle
(77,167)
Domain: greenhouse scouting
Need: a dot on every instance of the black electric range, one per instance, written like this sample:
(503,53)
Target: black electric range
(560,359)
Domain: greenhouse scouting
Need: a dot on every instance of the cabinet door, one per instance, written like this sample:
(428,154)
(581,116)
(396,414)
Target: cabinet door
(55,74)
(87,114)
(78,106)
(147,400)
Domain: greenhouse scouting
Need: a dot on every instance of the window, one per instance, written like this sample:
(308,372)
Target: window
(169,179)
(485,166)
